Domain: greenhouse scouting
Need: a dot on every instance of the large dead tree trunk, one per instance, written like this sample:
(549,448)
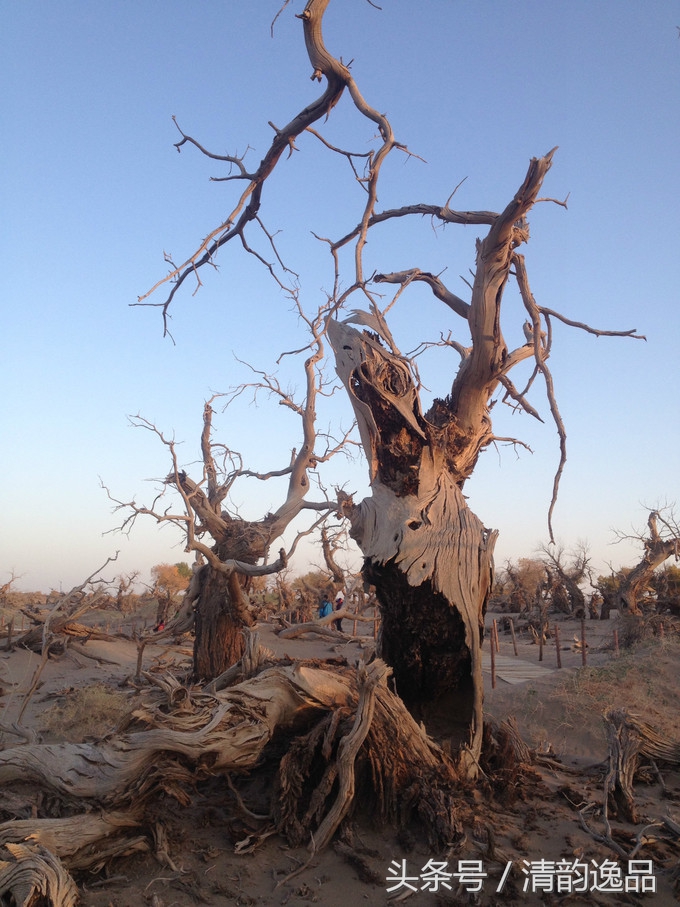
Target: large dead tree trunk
(429,557)
(431,561)
(218,642)
(221,606)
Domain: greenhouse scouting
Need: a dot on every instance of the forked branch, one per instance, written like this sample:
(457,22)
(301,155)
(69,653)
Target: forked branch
(248,204)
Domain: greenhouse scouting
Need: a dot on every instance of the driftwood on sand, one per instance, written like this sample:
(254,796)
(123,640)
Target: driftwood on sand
(323,626)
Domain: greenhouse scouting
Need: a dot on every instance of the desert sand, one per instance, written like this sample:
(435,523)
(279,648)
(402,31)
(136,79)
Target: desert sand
(550,812)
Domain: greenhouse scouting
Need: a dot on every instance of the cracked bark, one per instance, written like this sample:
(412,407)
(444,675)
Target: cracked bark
(429,557)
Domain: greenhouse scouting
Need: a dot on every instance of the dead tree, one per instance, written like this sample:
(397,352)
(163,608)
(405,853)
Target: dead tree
(429,557)
(519,585)
(6,588)
(61,621)
(234,549)
(124,593)
(330,545)
(346,732)
(661,542)
(567,572)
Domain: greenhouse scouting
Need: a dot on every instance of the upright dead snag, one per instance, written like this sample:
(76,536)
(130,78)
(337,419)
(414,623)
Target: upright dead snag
(429,557)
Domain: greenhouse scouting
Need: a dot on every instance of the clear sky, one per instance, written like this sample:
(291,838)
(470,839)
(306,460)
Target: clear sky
(93,192)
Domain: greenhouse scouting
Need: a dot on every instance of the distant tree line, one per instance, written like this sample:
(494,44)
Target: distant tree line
(565,584)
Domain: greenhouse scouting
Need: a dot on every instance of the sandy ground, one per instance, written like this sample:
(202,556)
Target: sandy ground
(558,711)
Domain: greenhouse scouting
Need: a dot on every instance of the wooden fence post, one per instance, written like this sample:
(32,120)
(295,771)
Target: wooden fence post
(584,657)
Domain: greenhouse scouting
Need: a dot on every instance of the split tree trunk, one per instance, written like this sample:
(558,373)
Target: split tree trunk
(431,562)
(429,557)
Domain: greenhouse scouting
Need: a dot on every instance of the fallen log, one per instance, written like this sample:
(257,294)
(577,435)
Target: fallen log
(235,732)
(66,837)
(323,625)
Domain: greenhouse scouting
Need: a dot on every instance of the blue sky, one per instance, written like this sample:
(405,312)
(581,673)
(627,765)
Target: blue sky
(93,192)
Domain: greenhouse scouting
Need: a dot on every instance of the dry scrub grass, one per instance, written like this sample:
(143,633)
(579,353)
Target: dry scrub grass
(92,711)
(564,711)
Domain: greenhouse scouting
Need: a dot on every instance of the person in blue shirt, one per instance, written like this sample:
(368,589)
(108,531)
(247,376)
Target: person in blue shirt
(325,608)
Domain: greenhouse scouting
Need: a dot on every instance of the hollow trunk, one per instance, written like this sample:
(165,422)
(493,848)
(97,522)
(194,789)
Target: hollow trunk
(219,624)
(431,562)
(422,636)
(428,556)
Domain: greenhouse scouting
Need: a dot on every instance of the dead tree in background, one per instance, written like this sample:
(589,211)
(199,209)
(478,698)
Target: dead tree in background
(234,549)
(429,557)
(6,588)
(52,630)
(331,543)
(567,572)
(518,587)
(168,583)
(125,595)
(661,542)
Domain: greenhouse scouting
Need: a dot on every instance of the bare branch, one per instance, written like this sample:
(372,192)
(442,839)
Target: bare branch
(350,155)
(444,214)
(515,442)
(518,397)
(539,355)
(463,351)
(247,206)
(285,4)
(227,158)
(455,303)
(590,330)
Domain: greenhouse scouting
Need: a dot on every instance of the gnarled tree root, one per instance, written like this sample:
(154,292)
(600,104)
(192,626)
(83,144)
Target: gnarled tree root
(350,739)
(628,739)
(32,875)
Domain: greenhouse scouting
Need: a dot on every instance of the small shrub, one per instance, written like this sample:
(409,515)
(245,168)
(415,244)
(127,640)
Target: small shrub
(92,711)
